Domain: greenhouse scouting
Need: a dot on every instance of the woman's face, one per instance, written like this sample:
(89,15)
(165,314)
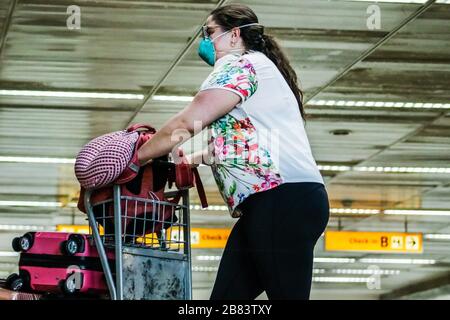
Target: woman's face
(222,44)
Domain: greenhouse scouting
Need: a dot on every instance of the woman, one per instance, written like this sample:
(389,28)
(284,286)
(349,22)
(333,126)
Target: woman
(260,157)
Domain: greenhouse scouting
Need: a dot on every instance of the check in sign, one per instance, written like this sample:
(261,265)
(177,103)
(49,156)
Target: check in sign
(211,238)
(387,242)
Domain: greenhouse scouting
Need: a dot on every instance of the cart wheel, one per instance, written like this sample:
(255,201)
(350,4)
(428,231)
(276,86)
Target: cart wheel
(14,282)
(75,244)
(70,247)
(16,244)
(26,242)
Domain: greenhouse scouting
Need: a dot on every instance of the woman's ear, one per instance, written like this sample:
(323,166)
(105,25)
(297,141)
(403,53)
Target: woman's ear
(234,36)
(236,33)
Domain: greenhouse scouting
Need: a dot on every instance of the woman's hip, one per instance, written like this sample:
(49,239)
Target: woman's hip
(303,205)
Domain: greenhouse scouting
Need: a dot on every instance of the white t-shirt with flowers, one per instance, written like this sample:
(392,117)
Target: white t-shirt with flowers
(261,143)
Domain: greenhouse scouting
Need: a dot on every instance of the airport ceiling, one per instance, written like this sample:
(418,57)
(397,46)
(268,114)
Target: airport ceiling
(377,99)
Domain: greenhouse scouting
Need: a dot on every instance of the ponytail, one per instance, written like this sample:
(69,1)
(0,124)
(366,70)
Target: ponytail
(271,48)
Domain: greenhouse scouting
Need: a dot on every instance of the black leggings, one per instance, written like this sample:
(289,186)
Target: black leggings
(271,246)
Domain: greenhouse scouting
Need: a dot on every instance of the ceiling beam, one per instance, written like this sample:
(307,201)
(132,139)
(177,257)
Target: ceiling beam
(422,290)
(401,139)
(364,55)
(410,134)
(169,70)
(7,25)
(372,49)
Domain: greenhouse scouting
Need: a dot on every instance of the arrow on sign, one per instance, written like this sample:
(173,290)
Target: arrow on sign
(412,242)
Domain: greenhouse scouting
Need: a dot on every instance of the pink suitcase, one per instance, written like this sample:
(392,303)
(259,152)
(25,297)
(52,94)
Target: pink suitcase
(58,262)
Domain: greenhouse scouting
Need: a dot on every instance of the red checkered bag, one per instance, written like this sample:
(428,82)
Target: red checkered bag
(147,182)
(111,157)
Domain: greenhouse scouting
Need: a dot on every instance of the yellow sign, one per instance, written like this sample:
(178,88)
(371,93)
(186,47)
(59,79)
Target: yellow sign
(388,242)
(211,238)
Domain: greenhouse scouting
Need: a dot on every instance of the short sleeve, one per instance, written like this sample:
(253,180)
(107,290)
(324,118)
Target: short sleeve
(238,76)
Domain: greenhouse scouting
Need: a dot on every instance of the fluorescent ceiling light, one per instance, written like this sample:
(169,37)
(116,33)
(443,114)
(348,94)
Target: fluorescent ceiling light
(342,279)
(321,167)
(208,258)
(69,94)
(12,227)
(418,212)
(392,212)
(437,236)
(37,160)
(397,261)
(384,169)
(30,204)
(210,208)
(204,269)
(354,211)
(334,260)
(318,271)
(224,208)
(8,254)
(333,168)
(403,169)
(379,104)
(366,271)
(173,98)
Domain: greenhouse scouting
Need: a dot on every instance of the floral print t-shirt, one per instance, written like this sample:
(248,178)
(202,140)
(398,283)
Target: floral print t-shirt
(240,164)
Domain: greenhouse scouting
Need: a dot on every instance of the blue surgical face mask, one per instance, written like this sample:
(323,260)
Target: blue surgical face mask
(206,49)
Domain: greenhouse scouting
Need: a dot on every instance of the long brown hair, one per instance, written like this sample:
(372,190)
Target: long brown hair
(235,15)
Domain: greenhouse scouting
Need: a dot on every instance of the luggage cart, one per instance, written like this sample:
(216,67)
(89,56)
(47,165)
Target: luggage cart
(148,265)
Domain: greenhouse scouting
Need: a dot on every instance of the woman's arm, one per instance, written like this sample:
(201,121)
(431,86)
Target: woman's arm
(207,106)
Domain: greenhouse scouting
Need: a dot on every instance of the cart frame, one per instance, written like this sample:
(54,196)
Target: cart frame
(116,288)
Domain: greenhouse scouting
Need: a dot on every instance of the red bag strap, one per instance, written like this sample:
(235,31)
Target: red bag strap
(184,176)
(200,188)
(187,176)
(137,126)
(147,181)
